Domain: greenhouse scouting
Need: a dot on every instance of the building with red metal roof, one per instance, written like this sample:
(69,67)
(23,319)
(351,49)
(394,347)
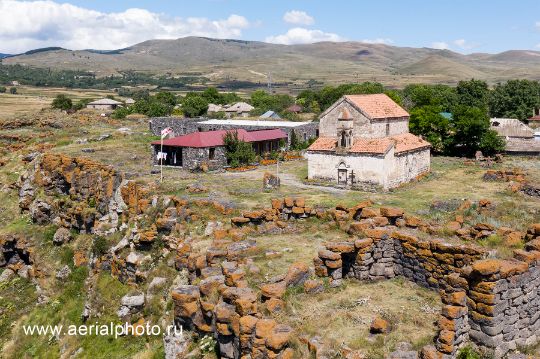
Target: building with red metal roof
(194,149)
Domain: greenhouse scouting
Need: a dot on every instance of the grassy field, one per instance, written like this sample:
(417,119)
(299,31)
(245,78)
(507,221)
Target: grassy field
(32,99)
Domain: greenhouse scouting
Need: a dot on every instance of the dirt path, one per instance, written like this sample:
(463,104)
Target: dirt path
(287,179)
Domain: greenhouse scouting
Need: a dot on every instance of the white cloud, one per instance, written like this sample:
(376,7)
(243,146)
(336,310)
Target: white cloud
(298,17)
(27,25)
(299,35)
(440,45)
(465,45)
(378,41)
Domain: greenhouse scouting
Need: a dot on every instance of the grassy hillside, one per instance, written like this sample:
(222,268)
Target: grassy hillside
(226,60)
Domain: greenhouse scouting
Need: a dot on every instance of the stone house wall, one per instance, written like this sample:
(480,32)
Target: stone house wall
(182,126)
(363,127)
(194,157)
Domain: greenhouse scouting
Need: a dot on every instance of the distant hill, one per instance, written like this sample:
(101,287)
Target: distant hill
(439,65)
(328,62)
(4,55)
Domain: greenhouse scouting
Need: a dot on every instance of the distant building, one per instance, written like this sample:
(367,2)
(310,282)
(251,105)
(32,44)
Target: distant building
(239,109)
(519,138)
(534,122)
(104,104)
(213,108)
(365,141)
(511,128)
(192,150)
(129,102)
(270,115)
(15,83)
(294,108)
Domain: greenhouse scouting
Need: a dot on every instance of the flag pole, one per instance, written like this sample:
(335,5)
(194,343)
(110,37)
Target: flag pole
(161,159)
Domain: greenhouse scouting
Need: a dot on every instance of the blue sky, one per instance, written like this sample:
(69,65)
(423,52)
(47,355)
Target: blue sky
(463,26)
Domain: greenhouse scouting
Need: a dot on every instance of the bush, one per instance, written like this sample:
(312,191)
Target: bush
(491,143)
(13,90)
(121,112)
(62,102)
(100,246)
(238,152)
(3,89)
(468,353)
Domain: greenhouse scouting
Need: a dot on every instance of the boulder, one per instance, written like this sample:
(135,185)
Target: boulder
(41,212)
(61,236)
(313,286)
(133,302)
(63,273)
(297,274)
(379,326)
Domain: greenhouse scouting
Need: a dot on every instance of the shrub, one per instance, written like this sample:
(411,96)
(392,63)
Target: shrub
(13,90)
(100,246)
(62,102)
(237,151)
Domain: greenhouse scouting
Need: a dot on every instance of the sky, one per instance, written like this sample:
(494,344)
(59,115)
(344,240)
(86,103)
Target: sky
(464,26)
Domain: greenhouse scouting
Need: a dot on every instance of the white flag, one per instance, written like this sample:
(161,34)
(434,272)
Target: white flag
(165,132)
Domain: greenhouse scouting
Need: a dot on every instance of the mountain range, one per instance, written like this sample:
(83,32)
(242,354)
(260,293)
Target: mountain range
(222,60)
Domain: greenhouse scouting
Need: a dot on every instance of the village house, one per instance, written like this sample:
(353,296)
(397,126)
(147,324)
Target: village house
(519,138)
(270,115)
(294,109)
(239,109)
(104,104)
(197,148)
(304,131)
(365,141)
(534,122)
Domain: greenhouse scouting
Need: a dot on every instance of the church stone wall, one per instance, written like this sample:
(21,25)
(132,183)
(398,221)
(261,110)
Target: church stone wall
(367,168)
(408,166)
(363,127)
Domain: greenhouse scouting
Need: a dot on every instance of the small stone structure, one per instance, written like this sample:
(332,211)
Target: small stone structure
(494,303)
(365,139)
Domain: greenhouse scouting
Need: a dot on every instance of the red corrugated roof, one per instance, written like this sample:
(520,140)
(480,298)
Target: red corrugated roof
(215,138)
(535,118)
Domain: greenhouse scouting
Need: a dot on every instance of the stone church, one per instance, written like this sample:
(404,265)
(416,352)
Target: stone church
(364,140)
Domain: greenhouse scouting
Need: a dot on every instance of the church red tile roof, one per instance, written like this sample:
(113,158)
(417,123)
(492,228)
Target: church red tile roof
(377,106)
(402,143)
(215,138)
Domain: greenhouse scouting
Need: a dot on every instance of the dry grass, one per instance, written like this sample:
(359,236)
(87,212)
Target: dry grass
(342,316)
(32,99)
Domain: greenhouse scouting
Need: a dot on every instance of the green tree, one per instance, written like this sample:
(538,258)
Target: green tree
(473,93)
(13,90)
(515,99)
(211,95)
(238,152)
(3,89)
(166,97)
(194,106)
(418,95)
(469,126)
(429,123)
(491,143)
(62,102)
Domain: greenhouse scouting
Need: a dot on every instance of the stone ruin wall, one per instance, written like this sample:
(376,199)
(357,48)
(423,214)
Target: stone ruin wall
(494,303)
